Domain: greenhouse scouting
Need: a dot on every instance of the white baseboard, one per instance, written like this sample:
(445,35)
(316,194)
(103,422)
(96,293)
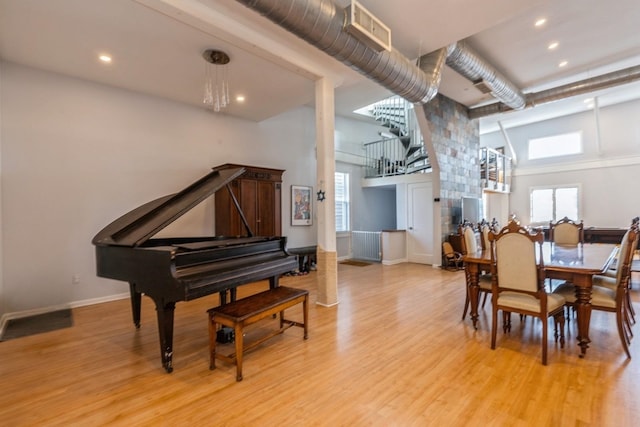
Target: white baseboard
(326,305)
(394,261)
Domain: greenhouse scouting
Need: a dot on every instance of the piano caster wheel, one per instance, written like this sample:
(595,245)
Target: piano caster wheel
(168,365)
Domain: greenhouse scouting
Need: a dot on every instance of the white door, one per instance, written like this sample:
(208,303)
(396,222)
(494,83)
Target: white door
(420,223)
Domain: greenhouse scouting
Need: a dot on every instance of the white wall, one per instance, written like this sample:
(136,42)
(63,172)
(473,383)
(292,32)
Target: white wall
(77,155)
(2,298)
(606,171)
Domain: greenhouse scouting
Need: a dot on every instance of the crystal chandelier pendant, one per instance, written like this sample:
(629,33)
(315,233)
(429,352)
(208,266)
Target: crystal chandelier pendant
(216,85)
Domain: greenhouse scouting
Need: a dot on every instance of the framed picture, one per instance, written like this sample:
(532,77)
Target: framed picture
(301,208)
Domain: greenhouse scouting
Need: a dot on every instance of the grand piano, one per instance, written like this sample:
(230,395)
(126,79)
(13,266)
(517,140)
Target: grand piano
(175,269)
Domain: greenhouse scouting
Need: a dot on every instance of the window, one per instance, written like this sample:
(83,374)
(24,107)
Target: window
(556,145)
(342,201)
(552,204)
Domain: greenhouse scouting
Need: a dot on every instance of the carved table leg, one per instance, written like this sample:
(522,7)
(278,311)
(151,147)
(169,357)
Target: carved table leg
(583,310)
(472,275)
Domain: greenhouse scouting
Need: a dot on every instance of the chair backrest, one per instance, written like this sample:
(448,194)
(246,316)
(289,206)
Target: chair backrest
(469,243)
(514,260)
(566,232)
(484,228)
(625,256)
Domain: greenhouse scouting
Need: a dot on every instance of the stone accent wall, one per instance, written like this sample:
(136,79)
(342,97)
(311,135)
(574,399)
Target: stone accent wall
(456,141)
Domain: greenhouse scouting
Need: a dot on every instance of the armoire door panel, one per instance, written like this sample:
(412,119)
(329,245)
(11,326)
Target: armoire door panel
(259,193)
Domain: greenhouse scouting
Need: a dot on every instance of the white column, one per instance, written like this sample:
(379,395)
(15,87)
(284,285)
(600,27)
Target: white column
(327,260)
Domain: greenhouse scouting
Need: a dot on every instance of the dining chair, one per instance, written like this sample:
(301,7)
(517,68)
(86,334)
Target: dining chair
(518,283)
(566,232)
(469,240)
(483,228)
(612,270)
(612,296)
(470,246)
(608,278)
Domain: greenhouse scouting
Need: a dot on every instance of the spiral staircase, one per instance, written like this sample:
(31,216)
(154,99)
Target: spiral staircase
(401,149)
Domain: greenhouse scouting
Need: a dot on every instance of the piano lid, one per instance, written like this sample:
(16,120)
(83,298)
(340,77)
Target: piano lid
(137,226)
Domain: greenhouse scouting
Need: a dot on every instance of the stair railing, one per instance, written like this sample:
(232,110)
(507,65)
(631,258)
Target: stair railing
(384,158)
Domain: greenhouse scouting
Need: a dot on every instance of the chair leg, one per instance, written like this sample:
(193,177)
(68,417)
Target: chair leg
(545,326)
(494,326)
(466,305)
(621,332)
(506,321)
(559,322)
(632,312)
(627,326)
(484,300)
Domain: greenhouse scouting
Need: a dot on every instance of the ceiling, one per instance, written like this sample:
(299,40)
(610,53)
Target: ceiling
(157,48)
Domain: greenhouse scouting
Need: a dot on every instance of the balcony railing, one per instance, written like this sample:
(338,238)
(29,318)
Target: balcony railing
(495,170)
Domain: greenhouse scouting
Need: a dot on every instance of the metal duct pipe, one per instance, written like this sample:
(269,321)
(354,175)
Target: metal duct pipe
(616,78)
(321,23)
(469,64)
(432,64)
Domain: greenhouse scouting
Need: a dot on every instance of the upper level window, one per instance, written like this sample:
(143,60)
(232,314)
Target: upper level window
(342,201)
(552,204)
(556,145)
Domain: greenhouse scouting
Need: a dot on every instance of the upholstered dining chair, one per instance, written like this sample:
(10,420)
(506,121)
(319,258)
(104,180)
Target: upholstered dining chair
(518,283)
(612,295)
(483,228)
(469,241)
(470,246)
(566,232)
(612,270)
(608,278)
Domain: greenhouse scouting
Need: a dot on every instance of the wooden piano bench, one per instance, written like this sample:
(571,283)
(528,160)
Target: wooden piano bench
(245,311)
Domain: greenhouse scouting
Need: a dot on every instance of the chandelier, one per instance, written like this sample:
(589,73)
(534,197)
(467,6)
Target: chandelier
(216,83)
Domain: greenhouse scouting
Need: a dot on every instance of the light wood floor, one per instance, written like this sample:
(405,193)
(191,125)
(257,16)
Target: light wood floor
(394,352)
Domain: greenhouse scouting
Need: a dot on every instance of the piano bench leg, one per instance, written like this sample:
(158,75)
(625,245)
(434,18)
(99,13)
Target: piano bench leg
(213,329)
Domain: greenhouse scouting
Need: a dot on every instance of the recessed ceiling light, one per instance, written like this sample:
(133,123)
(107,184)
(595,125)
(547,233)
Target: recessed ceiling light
(240,98)
(553,45)
(105,58)
(540,22)
(563,64)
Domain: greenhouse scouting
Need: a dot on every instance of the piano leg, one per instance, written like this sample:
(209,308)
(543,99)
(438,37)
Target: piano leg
(223,297)
(136,298)
(165,311)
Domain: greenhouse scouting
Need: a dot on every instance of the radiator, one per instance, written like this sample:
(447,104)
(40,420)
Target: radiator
(366,245)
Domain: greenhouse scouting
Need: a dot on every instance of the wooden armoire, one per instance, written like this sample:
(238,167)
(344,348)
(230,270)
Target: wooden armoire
(259,193)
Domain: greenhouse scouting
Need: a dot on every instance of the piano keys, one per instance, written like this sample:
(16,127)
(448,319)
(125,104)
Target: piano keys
(169,270)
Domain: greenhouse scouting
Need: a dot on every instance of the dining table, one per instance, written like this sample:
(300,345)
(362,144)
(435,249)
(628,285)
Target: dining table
(576,264)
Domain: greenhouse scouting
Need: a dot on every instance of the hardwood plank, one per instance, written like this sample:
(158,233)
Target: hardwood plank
(392,352)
